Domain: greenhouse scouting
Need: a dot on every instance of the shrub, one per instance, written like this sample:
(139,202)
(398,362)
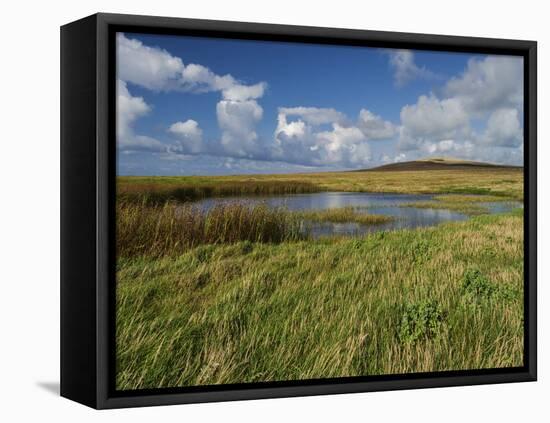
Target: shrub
(420,321)
(476,286)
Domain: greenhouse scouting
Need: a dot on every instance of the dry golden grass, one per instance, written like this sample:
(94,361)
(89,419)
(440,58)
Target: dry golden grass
(253,312)
(457,198)
(172,229)
(497,182)
(343,215)
(200,306)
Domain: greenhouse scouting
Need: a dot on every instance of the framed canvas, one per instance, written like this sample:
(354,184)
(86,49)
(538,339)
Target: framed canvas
(257,211)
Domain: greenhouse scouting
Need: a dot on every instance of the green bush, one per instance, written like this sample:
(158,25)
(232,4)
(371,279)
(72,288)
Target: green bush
(477,288)
(420,250)
(420,321)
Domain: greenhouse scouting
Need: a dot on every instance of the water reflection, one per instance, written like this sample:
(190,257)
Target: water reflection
(323,200)
(374,203)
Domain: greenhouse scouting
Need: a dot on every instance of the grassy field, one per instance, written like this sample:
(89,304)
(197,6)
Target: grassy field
(239,294)
(495,182)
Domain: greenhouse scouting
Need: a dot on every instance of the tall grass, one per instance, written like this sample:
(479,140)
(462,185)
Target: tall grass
(434,299)
(172,229)
(159,193)
(236,295)
(496,182)
(343,215)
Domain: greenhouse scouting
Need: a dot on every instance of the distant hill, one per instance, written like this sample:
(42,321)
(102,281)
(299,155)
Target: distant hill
(440,163)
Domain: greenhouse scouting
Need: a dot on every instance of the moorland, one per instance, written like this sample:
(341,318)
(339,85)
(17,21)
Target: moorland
(244,292)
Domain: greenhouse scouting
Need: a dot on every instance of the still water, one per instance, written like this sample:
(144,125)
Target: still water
(372,203)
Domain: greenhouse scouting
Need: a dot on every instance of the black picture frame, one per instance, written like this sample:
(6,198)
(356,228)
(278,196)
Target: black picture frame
(87,209)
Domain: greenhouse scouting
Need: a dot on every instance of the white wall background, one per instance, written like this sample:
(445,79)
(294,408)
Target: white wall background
(29,209)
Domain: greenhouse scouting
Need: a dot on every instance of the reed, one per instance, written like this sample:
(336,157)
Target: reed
(172,229)
(184,191)
(343,215)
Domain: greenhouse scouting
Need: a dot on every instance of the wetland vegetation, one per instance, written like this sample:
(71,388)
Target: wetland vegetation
(240,291)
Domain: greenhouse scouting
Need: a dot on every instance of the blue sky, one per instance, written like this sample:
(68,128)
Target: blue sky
(189,105)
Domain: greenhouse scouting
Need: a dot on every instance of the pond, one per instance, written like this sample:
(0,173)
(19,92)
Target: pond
(372,203)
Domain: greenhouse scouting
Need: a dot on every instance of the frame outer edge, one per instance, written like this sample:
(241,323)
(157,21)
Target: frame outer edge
(256,28)
(104,400)
(103,225)
(78,214)
(532,230)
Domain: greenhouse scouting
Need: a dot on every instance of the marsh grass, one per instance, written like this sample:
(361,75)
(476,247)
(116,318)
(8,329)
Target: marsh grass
(496,182)
(469,208)
(236,295)
(457,198)
(172,229)
(467,204)
(157,193)
(387,303)
(343,215)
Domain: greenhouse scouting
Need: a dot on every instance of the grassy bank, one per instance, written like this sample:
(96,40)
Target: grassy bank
(457,198)
(442,298)
(159,190)
(466,204)
(468,208)
(172,229)
(343,215)
(241,294)
(496,182)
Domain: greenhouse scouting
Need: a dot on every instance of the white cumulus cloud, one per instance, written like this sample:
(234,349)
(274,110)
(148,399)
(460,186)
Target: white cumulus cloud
(299,137)
(238,111)
(405,69)
(189,136)
(239,92)
(433,117)
(129,109)
(149,67)
(504,128)
(374,127)
(237,120)
(489,83)
(476,115)
(314,115)
(158,70)
(343,145)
